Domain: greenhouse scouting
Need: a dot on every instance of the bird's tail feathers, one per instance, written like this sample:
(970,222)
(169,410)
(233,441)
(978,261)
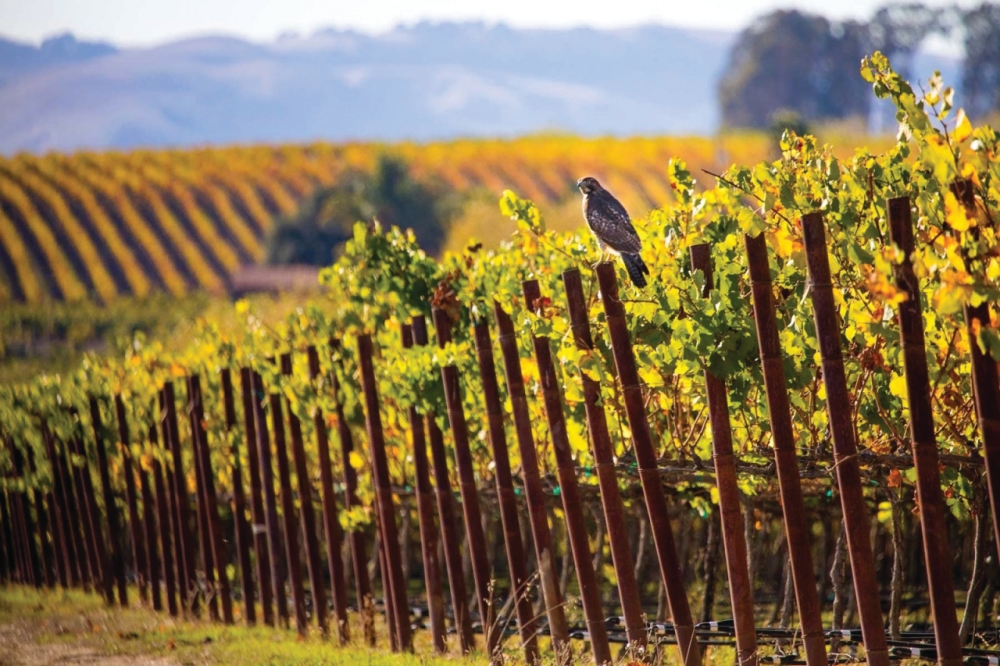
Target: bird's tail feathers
(637,269)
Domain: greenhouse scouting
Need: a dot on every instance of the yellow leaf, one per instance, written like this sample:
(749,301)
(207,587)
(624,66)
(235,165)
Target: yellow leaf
(897,386)
(955,213)
(357,462)
(963,128)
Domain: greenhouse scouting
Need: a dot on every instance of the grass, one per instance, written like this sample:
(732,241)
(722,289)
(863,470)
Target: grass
(50,626)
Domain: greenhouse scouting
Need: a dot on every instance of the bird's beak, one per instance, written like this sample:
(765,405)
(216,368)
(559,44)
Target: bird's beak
(579,183)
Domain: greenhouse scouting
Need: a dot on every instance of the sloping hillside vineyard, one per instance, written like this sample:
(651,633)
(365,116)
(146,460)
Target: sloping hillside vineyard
(99,225)
(805,275)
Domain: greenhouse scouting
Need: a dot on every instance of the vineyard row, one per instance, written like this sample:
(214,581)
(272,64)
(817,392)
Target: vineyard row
(103,225)
(47,540)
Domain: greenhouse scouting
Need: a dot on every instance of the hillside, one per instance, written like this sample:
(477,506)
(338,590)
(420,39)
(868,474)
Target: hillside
(99,225)
(423,82)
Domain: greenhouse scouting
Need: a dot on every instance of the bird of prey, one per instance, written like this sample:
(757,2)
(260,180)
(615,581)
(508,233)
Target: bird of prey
(610,224)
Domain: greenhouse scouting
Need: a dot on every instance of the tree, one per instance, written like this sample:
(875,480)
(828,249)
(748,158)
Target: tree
(981,69)
(793,61)
(326,220)
(897,30)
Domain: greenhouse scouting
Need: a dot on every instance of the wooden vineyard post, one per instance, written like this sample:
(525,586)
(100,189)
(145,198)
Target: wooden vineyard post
(22,573)
(356,538)
(239,507)
(924,444)
(259,529)
(519,581)
(383,574)
(204,526)
(149,534)
(568,490)
(845,448)
(797,531)
(740,586)
(277,557)
(307,514)
(425,516)
(535,494)
(383,490)
(604,462)
(182,504)
(331,522)
(649,475)
(92,518)
(164,518)
(9,555)
(74,503)
(117,560)
(292,558)
(214,527)
(467,488)
(446,516)
(92,542)
(67,566)
(33,560)
(23,530)
(138,551)
(985,381)
(75,558)
(58,552)
(45,526)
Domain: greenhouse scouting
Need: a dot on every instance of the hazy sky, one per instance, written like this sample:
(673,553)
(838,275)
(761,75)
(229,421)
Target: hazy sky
(145,22)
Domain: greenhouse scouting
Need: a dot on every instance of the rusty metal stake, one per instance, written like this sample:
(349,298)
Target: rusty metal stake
(241,527)
(446,517)
(649,475)
(163,516)
(70,520)
(331,522)
(292,558)
(201,504)
(48,554)
(469,492)
(505,494)
(740,587)
(576,527)
(131,500)
(924,444)
(845,448)
(149,535)
(273,527)
(985,382)
(535,494)
(117,560)
(797,531)
(218,548)
(425,516)
(182,502)
(307,513)
(604,463)
(34,563)
(93,539)
(356,538)
(383,489)
(257,514)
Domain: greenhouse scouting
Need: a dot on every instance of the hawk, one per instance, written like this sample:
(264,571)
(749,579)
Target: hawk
(610,224)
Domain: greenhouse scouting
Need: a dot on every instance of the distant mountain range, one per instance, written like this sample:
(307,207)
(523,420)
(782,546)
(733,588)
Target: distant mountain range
(422,82)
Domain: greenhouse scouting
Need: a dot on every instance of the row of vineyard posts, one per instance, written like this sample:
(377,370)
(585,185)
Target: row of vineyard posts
(69,534)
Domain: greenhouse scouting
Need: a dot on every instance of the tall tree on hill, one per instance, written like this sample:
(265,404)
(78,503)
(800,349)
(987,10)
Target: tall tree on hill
(793,61)
(981,69)
(898,29)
